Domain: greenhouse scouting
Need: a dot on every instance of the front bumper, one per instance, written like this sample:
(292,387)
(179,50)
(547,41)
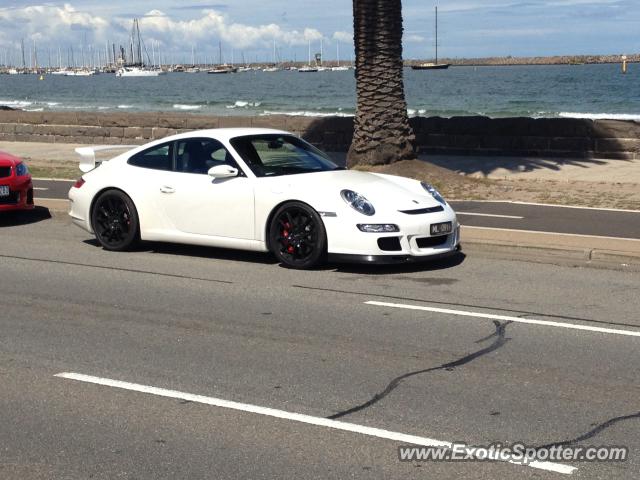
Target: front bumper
(413,241)
(20,194)
(390,259)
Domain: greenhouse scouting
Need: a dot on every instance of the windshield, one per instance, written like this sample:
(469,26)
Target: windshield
(274,154)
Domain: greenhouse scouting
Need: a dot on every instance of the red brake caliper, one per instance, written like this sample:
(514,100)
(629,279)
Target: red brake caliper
(285,234)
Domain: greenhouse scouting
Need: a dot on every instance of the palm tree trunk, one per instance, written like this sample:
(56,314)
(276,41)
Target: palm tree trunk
(382,133)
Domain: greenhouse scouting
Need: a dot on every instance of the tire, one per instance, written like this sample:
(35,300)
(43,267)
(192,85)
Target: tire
(297,236)
(115,221)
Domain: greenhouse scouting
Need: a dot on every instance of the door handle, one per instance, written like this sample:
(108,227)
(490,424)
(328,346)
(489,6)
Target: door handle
(165,189)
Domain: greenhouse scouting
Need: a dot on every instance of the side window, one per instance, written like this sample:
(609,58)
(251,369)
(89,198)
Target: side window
(156,158)
(198,155)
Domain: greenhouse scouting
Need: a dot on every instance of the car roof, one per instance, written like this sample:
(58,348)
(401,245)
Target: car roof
(220,134)
(227,133)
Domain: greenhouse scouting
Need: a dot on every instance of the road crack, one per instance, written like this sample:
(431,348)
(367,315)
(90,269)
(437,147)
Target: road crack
(500,340)
(593,432)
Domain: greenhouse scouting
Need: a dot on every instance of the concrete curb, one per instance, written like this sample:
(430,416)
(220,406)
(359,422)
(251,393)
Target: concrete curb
(56,207)
(541,247)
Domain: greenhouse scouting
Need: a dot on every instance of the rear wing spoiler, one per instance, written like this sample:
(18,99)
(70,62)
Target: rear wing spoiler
(88,155)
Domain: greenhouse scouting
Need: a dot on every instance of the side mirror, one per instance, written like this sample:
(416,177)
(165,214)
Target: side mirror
(222,171)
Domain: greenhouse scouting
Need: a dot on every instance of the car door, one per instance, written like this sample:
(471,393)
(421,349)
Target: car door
(195,203)
(152,170)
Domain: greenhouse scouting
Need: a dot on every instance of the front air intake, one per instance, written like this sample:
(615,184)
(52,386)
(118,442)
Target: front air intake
(389,244)
(430,242)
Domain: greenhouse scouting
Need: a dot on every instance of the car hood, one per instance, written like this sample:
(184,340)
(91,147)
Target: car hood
(384,191)
(8,160)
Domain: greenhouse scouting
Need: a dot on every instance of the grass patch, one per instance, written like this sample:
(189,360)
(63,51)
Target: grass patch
(62,172)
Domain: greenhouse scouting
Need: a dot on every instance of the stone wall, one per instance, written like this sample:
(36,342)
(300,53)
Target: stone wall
(558,137)
(549,137)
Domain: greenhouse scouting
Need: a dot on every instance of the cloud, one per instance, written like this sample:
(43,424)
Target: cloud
(346,37)
(49,23)
(210,6)
(571,3)
(517,32)
(214,26)
(64,26)
(413,38)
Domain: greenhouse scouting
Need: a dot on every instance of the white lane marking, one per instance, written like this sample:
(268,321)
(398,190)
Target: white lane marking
(515,202)
(488,215)
(296,417)
(576,207)
(40,188)
(554,233)
(490,316)
(65,180)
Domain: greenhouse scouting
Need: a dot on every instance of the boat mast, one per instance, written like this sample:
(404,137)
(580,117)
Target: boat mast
(436,35)
(139,44)
(23,58)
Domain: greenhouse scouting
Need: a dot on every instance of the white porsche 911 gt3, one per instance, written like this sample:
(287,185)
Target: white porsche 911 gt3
(261,190)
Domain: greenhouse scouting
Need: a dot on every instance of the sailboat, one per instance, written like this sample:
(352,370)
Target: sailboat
(274,66)
(321,68)
(308,68)
(432,65)
(137,67)
(222,67)
(338,67)
(244,67)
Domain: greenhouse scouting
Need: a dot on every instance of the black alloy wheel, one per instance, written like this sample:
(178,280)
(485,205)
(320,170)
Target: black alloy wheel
(115,221)
(297,236)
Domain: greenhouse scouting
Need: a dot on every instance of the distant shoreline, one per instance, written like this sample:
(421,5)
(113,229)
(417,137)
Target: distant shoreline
(455,62)
(529,61)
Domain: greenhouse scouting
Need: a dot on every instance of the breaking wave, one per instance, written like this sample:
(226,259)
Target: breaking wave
(601,116)
(15,103)
(181,106)
(304,113)
(243,104)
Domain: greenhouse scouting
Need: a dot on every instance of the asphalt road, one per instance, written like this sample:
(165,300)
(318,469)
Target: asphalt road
(547,218)
(498,351)
(516,216)
(51,188)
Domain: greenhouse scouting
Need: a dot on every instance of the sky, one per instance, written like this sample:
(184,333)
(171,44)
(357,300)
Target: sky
(249,28)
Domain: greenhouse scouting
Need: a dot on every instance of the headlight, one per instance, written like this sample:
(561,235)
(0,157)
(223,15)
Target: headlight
(358,202)
(377,227)
(22,170)
(434,192)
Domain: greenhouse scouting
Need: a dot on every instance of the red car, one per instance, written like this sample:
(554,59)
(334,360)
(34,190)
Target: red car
(16,188)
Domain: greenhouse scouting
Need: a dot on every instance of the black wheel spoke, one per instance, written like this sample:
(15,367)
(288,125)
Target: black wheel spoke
(289,219)
(303,222)
(113,221)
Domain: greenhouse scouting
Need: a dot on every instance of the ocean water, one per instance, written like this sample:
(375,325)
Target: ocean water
(586,91)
